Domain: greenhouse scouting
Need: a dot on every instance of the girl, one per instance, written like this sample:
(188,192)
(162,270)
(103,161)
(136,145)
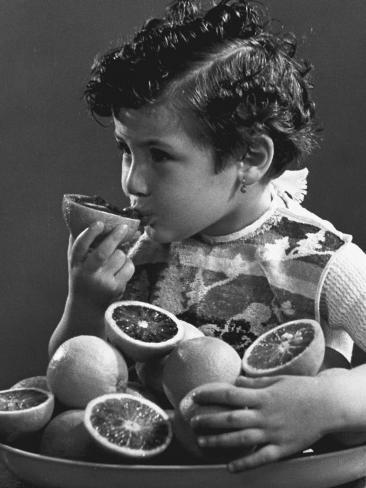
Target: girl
(209,110)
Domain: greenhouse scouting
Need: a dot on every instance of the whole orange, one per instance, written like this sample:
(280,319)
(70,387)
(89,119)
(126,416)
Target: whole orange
(85,367)
(198,361)
(66,437)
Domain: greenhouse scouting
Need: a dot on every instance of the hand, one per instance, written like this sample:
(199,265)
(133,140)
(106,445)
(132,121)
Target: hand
(281,415)
(98,274)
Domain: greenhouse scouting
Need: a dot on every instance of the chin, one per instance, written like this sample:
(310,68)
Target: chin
(163,235)
(159,235)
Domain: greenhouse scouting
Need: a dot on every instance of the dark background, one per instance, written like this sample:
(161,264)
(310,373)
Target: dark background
(49,145)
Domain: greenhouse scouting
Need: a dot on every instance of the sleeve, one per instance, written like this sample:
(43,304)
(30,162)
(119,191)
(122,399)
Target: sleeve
(343,293)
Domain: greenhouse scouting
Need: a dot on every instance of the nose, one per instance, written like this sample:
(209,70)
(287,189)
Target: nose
(134,178)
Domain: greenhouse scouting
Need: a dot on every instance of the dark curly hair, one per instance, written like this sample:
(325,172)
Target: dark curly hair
(223,69)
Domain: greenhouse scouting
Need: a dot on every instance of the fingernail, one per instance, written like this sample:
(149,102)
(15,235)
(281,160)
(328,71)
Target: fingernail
(195,421)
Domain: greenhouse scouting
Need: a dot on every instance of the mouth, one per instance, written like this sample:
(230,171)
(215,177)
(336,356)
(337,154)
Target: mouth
(146,219)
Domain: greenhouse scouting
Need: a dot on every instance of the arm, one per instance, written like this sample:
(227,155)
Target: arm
(282,415)
(98,275)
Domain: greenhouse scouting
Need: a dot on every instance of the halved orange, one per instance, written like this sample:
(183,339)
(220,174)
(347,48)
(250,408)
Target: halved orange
(128,425)
(80,211)
(24,410)
(33,381)
(296,348)
(142,330)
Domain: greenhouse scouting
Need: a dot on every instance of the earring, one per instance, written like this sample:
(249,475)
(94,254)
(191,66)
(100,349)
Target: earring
(243,185)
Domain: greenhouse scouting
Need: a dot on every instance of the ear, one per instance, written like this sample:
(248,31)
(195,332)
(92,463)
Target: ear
(257,161)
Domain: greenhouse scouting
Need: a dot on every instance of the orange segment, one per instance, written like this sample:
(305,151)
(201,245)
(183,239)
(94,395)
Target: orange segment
(145,324)
(142,330)
(80,211)
(24,410)
(128,425)
(296,347)
(281,346)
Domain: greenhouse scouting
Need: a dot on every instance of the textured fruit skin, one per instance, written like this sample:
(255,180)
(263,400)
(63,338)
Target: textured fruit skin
(123,450)
(85,367)
(135,349)
(66,437)
(14,423)
(150,372)
(198,361)
(307,363)
(78,217)
(190,331)
(33,382)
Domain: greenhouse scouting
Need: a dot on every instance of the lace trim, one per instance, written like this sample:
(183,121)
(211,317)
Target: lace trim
(262,224)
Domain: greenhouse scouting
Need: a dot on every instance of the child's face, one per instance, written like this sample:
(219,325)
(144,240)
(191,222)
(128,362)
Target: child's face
(172,180)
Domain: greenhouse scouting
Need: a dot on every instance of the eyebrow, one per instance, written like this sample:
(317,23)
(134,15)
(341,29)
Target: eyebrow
(148,142)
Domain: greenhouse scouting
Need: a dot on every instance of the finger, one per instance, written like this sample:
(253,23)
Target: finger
(84,240)
(103,251)
(115,262)
(239,438)
(225,394)
(246,382)
(114,238)
(233,419)
(264,455)
(126,272)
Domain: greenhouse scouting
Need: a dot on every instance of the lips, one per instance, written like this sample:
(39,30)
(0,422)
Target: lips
(146,219)
(145,215)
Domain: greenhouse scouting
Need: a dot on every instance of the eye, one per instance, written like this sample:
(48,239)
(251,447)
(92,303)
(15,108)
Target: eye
(159,156)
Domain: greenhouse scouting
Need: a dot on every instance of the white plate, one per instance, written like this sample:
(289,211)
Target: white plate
(315,471)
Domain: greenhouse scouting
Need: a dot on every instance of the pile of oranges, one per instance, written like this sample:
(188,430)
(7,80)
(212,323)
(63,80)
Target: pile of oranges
(130,395)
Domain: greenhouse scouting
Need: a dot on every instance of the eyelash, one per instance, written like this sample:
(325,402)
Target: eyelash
(157,154)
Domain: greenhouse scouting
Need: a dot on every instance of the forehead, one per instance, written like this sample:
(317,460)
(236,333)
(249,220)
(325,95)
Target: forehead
(154,121)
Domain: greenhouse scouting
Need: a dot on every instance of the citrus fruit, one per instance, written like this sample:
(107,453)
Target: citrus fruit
(141,330)
(150,373)
(65,436)
(198,361)
(33,381)
(85,367)
(24,410)
(128,425)
(80,211)
(190,331)
(296,348)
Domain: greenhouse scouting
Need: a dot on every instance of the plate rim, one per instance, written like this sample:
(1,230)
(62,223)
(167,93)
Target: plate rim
(172,467)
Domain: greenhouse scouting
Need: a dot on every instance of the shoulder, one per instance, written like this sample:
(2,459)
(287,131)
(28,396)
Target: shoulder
(295,212)
(307,230)
(343,292)
(348,264)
